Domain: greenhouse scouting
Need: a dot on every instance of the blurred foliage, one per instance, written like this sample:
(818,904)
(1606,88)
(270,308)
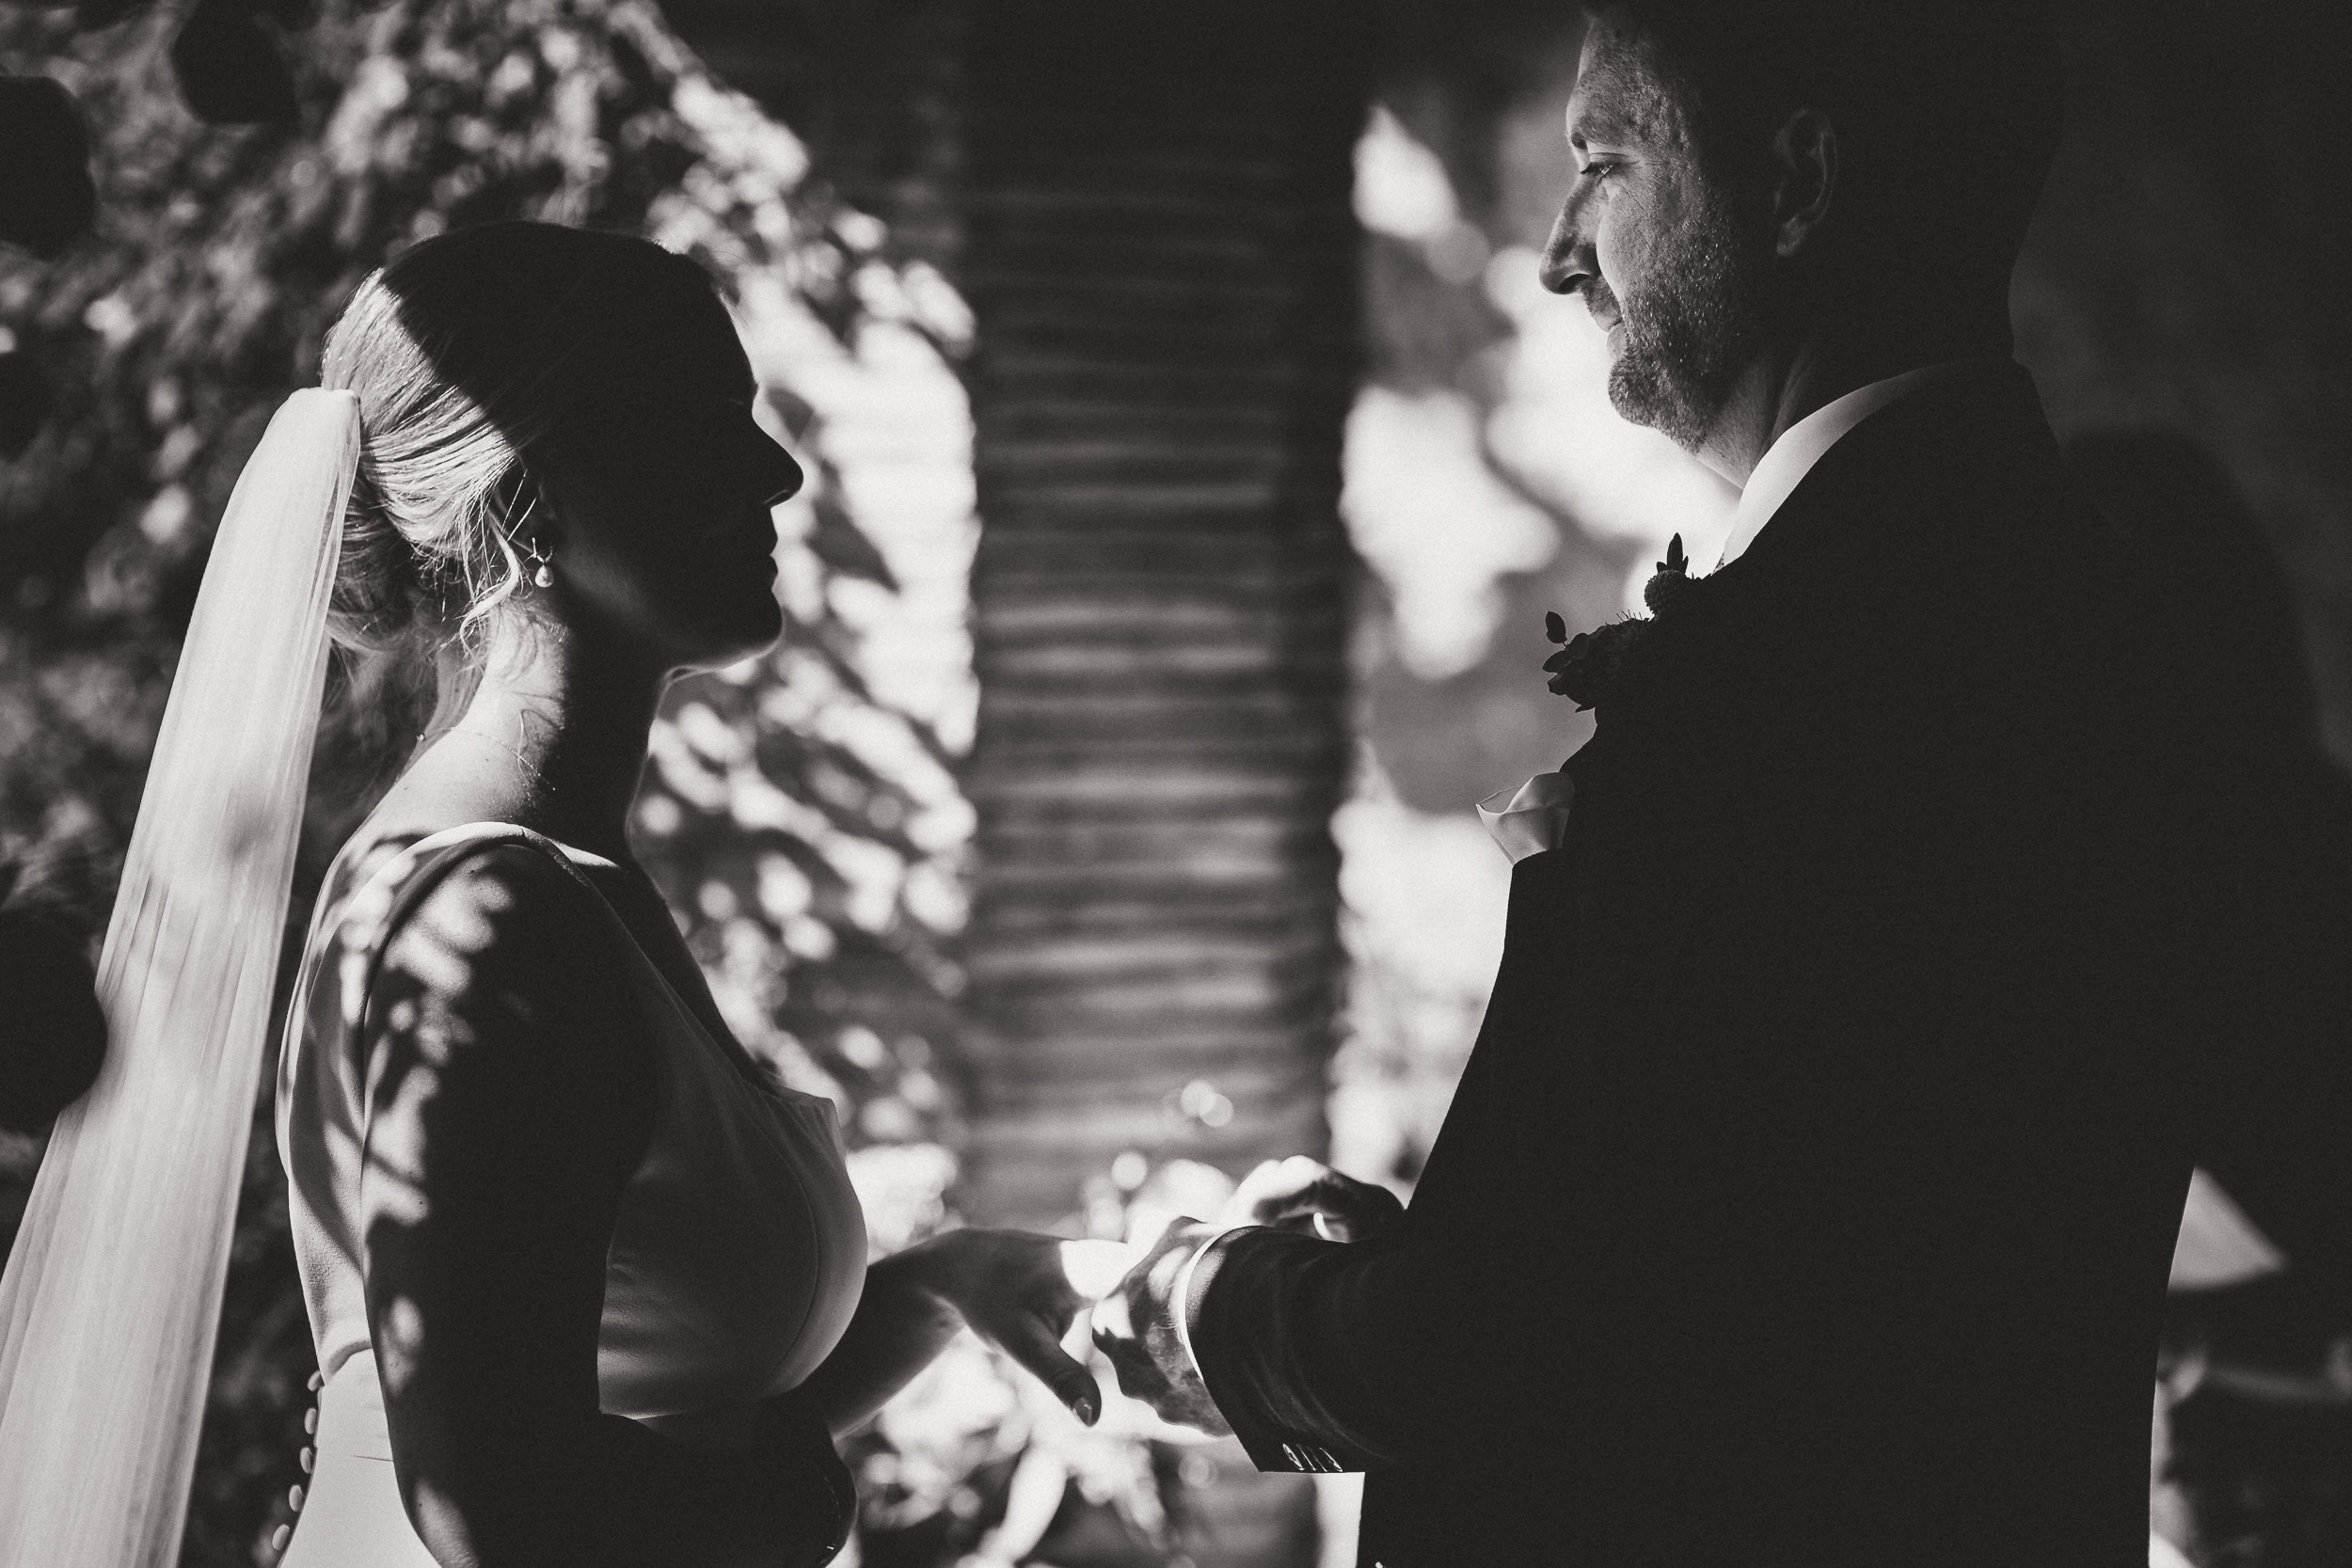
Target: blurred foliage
(803,832)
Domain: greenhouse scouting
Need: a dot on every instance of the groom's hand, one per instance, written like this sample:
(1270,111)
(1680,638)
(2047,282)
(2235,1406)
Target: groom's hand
(1136,1327)
(1301,1193)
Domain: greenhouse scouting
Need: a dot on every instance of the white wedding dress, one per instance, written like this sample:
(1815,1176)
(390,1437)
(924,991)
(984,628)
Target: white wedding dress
(736,1260)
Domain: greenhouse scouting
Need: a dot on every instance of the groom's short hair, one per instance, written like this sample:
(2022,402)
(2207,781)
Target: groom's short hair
(1948,113)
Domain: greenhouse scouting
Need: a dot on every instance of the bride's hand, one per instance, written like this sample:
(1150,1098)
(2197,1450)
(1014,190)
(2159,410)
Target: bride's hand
(1020,1292)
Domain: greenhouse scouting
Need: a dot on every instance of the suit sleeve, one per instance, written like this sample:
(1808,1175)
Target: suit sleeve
(1330,1356)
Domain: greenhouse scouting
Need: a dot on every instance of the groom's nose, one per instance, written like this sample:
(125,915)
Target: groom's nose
(1567,260)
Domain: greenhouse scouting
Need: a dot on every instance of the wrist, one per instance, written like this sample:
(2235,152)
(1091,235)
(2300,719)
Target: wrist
(930,1272)
(1192,1280)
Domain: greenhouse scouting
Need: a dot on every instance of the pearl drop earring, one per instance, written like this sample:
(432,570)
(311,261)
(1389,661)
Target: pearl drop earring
(542,574)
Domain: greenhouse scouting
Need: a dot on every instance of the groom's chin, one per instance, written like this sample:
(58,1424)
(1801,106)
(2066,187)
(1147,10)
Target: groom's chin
(1637,392)
(1643,396)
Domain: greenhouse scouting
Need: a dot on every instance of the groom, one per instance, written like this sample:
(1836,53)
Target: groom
(1808,1196)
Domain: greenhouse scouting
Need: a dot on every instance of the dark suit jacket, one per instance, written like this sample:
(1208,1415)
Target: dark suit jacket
(1809,1194)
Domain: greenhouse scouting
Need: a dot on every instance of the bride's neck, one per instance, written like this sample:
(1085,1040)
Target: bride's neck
(553,736)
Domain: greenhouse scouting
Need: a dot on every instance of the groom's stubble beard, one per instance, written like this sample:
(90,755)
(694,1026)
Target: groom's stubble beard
(1690,334)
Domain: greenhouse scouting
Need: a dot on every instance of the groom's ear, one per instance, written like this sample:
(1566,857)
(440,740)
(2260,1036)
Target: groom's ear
(1804,171)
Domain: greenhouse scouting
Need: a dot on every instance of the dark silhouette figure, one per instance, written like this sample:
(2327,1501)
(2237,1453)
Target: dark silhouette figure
(2260,1373)
(53,1038)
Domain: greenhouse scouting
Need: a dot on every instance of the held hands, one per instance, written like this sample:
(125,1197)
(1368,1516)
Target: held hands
(1023,1291)
(1136,1325)
(1020,1292)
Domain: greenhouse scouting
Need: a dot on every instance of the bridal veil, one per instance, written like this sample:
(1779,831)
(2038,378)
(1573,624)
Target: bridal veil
(112,1296)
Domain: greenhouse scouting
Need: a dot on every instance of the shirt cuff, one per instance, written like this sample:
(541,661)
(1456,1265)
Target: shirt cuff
(1179,1297)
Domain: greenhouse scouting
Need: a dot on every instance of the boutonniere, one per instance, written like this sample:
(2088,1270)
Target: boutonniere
(1590,666)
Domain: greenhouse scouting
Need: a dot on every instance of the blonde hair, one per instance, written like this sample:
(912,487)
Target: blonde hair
(469,354)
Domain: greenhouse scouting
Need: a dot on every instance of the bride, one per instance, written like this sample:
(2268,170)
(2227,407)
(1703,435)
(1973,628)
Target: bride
(592,1282)
(586,1285)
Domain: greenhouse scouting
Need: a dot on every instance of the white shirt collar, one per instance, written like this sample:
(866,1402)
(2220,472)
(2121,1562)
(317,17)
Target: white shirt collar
(1786,462)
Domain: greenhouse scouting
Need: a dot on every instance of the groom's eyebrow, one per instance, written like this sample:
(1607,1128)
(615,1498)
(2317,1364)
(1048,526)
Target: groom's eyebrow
(1598,123)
